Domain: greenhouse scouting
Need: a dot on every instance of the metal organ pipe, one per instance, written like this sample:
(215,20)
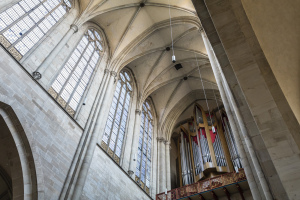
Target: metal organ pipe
(188,162)
(200,154)
(235,155)
(187,173)
(183,161)
(220,150)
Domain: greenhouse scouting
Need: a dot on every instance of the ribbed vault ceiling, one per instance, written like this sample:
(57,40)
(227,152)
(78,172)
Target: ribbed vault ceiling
(138,37)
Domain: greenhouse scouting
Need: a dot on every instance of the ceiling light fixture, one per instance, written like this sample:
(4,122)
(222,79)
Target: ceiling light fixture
(212,125)
(173,56)
(178,66)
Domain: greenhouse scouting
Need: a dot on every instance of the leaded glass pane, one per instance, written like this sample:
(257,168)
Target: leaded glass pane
(75,75)
(118,112)
(26,22)
(144,148)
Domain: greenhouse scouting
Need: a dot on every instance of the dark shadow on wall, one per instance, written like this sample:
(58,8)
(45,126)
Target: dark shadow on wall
(17,169)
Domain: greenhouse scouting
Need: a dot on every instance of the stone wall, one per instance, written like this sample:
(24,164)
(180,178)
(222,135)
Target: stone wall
(275,24)
(237,196)
(53,137)
(106,180)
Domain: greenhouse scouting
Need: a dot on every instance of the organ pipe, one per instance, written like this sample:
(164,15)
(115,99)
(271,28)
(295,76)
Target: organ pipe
(201,157)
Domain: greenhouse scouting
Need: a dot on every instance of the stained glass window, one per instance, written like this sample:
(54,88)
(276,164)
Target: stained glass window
(115,128)
(143,166)
(26,22)
(70,84)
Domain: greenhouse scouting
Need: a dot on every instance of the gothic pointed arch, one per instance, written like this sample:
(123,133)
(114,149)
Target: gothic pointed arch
(17,161)
(71,83)
(144,155)
(117,121)
(25,23)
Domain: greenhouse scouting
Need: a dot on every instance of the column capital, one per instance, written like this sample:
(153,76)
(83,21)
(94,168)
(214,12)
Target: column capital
(130,172)
(161,139)
(138,111)
(106,71)
(130,93)
(201,29)
(168,144)
(113,74)
(74,27)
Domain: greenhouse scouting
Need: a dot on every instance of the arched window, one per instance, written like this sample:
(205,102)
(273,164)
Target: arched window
(70,84)
(113,137)
(143,166)
(26,22)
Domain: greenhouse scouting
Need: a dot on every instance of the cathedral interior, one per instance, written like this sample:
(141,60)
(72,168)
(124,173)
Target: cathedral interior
(149,99)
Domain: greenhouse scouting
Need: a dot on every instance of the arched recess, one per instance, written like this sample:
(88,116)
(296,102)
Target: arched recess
(16,157)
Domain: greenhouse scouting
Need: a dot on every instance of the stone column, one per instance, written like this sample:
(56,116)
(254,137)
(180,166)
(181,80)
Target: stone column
(162,165)
(168,167)
(242,153)
(125,160)
(95,137)
(158,165)
(135,142)
(154,187)
(248,141)
(81,149)
(37,74)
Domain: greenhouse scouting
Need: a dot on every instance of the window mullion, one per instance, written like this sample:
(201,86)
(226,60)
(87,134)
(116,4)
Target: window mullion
(36,24)
(82,74)
(114,118)
(72,71)
(142,149)
(141,158)
(120,123)
(21,17)
(146,165)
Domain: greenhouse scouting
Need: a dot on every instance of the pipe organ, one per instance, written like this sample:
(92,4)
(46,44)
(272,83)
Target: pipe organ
(206,147)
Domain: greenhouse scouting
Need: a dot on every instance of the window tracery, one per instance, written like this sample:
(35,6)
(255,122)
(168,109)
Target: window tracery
(143,166)
(115,128)
(24,24)
(70,85)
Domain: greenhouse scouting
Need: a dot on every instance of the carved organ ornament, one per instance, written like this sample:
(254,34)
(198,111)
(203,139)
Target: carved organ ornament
(206,148)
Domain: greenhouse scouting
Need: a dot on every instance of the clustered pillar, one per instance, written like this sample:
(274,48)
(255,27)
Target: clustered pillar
(96,133)
(168,167)
(164,174)
(37,74)
(231,110)
(134,147)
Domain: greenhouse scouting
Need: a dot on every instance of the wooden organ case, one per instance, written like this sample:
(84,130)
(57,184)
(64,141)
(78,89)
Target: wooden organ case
(206,147)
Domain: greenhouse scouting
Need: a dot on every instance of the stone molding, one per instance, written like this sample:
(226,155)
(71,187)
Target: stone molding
(74,27)
(113,74)
(138,111)
(168,143)
(201,29)
(106,71)
(130,172)
(161,139)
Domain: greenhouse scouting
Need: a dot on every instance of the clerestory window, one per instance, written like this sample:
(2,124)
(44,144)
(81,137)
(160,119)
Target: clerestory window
(70,85)
(143,166)
(24,24)
(115,128)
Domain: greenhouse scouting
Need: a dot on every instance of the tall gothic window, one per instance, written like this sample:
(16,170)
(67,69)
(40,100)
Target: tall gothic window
(143,166)
(70,84)
(113,137)
(26,22)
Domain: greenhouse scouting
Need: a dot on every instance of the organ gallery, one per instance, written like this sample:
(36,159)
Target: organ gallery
(206,147)
(149,99)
